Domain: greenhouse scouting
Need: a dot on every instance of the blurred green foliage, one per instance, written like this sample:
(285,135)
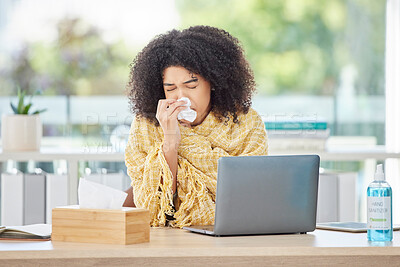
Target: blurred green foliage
(77,62)
(301,46)
(294,47)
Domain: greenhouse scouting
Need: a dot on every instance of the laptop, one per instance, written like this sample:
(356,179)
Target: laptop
(265,195)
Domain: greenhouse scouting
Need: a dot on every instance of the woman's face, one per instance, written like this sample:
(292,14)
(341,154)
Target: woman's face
(179,82)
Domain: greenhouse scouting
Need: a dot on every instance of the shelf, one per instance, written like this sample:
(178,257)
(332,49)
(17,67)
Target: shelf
(347,153)
(50,154)
(106,154)
(74,156)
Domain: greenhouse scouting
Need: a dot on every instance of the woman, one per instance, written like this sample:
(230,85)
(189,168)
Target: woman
(173,162)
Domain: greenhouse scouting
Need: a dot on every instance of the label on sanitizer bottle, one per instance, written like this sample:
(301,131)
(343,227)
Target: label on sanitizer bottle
(379,213)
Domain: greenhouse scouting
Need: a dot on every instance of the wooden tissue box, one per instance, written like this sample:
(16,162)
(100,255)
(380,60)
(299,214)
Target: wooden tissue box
(112,226)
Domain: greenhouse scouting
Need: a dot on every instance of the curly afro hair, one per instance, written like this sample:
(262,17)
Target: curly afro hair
(207,51)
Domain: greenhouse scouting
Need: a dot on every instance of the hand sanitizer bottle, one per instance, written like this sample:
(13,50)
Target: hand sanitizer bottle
(379,208)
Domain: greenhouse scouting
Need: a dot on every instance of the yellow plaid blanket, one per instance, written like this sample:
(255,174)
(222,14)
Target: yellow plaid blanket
(200,148)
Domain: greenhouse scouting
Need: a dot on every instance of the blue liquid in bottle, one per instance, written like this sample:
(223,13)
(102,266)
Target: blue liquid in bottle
(379,205)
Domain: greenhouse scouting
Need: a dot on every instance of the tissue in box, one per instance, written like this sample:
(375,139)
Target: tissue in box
(113,226)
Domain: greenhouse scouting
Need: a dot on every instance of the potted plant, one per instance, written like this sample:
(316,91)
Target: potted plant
(22,131)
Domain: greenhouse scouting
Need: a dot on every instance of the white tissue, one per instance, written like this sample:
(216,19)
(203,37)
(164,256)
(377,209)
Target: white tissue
(188,113)
(97,196)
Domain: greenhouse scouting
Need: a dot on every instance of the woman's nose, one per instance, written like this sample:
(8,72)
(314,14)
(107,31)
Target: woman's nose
(181,94)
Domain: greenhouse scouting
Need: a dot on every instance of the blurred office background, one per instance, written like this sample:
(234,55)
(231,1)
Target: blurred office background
(314,59)
(310,58)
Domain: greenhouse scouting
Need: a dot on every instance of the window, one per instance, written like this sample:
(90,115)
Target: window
(325,61)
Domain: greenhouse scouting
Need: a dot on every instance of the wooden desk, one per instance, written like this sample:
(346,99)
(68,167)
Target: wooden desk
(178,247)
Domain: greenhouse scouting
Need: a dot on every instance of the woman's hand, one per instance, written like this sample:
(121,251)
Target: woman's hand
(167,116)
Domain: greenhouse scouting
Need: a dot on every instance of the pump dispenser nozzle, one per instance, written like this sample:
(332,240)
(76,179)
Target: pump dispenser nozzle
(379,176)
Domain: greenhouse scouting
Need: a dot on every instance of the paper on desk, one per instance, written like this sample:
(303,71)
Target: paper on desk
(39,229)
(97,196)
